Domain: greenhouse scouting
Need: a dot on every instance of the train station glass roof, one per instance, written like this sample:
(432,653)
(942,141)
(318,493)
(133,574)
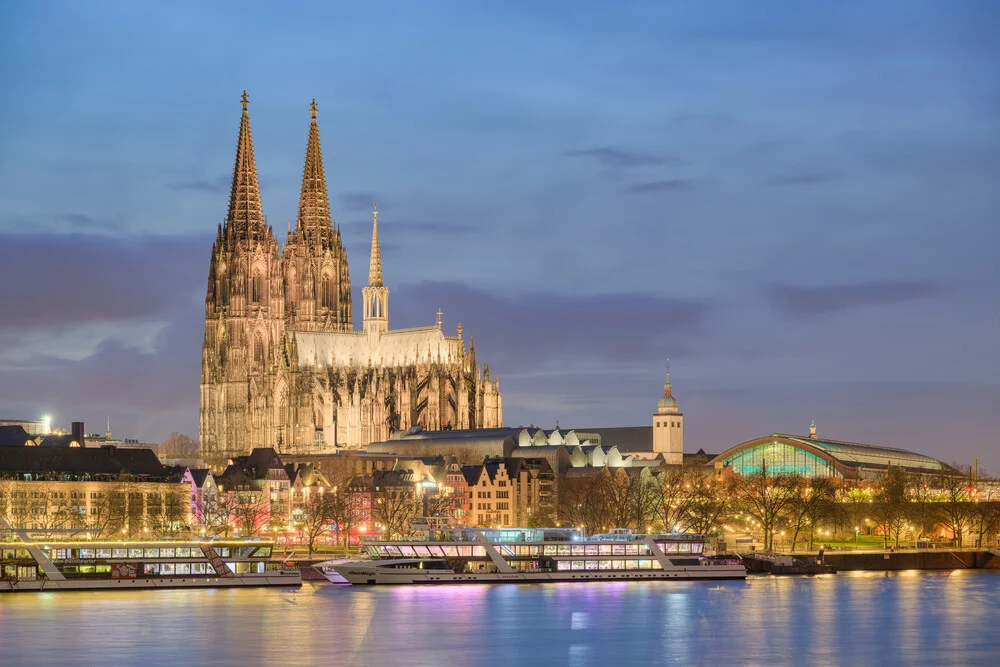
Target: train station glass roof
(780,453)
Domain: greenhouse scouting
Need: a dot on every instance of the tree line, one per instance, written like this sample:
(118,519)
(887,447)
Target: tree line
(893,505)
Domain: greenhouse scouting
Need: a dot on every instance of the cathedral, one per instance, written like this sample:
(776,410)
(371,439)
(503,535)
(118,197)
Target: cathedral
(282,364)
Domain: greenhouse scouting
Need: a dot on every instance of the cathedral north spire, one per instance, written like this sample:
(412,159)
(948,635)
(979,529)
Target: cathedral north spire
(314,204)
(245,216)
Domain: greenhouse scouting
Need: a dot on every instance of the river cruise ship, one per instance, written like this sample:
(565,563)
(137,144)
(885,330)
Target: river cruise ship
(535,555)
(92,564)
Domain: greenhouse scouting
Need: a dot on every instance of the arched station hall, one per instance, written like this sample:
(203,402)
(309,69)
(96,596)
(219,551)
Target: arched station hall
(811,456)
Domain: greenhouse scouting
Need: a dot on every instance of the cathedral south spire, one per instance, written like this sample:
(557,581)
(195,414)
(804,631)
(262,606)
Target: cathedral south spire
(245,216)
(314,206)
(375,295)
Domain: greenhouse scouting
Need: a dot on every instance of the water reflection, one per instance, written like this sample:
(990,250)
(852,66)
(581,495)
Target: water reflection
(907,618)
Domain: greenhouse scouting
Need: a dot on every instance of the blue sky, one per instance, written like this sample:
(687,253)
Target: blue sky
(796,202)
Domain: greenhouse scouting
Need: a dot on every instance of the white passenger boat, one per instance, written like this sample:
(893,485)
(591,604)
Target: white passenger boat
(30,565)
(534,555)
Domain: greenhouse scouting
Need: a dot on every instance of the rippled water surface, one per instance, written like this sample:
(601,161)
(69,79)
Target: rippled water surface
(855,618)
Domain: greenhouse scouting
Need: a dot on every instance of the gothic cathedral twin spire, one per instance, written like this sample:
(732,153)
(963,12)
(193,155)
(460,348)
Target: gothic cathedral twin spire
(314,268)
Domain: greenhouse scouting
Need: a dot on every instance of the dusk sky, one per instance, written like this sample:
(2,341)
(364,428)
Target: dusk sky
(798,203)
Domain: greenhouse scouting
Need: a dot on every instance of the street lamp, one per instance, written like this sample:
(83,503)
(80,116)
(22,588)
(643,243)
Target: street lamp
(857,532)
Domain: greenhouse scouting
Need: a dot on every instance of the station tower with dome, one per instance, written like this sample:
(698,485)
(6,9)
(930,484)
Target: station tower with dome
(668,426)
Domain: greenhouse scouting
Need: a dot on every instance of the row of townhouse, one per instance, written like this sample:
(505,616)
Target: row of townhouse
(108,491)
(498,492)
(100,491)
(257,491)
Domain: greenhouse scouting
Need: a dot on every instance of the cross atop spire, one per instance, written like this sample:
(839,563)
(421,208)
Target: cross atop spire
(245,216)
(314,205)
(668,389)
(439,314)
(375,262)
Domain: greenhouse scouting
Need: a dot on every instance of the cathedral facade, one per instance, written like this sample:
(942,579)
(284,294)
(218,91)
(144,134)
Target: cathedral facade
(282,364)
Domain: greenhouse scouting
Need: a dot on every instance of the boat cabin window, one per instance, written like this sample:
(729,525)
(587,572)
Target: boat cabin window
(420,565)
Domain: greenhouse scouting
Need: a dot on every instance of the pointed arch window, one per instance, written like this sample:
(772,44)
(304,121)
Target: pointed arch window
(258,350)
(292,286)
(257,288)
(328,294)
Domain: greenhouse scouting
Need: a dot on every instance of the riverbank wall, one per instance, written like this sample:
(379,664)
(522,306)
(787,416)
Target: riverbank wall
(935,559)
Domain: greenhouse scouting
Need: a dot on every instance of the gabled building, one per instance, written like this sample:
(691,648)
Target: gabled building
(535,489)
(492,498)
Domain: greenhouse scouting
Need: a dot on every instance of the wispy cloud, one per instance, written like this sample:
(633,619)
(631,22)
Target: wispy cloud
(804,302)
(88,223)
(356,200)
(669,185)
(531,331)
(802,178)
(614,156)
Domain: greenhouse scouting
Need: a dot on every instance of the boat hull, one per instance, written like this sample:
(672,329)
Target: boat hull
(370,575)
(36,585)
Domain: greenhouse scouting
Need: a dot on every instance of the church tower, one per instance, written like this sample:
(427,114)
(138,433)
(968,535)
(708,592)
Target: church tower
(244,316)
(668,426)
(375,294)
(317,284)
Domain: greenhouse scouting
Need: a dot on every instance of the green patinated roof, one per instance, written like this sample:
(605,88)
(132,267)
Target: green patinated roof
(860,454)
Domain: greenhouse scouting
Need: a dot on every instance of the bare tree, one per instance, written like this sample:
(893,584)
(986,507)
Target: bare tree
(677,483)
(985,519)
(52,508)
(176,513)
(178,446)
(924,510)
(955,502)
(217,513)
(707,504)
(814,503)
(15,504)
(394,508)
(583,501)
(891,496)
(248,509)
(318,512)
(766,499)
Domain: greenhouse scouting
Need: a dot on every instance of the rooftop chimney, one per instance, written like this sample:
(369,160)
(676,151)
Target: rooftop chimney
(78,435)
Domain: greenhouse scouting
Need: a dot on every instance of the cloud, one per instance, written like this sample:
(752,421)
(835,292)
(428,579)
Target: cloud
(356,201)
(612,156)
(218,185)
(802,178)
(56,280)
(88,223)
(797,302)
(669,185)
(542,331)
(100,325)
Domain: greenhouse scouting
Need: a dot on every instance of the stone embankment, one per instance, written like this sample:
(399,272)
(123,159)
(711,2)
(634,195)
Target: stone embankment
(923,559)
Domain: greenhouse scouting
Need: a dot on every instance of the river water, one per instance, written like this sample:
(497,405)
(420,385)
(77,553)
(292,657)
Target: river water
(861,618)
